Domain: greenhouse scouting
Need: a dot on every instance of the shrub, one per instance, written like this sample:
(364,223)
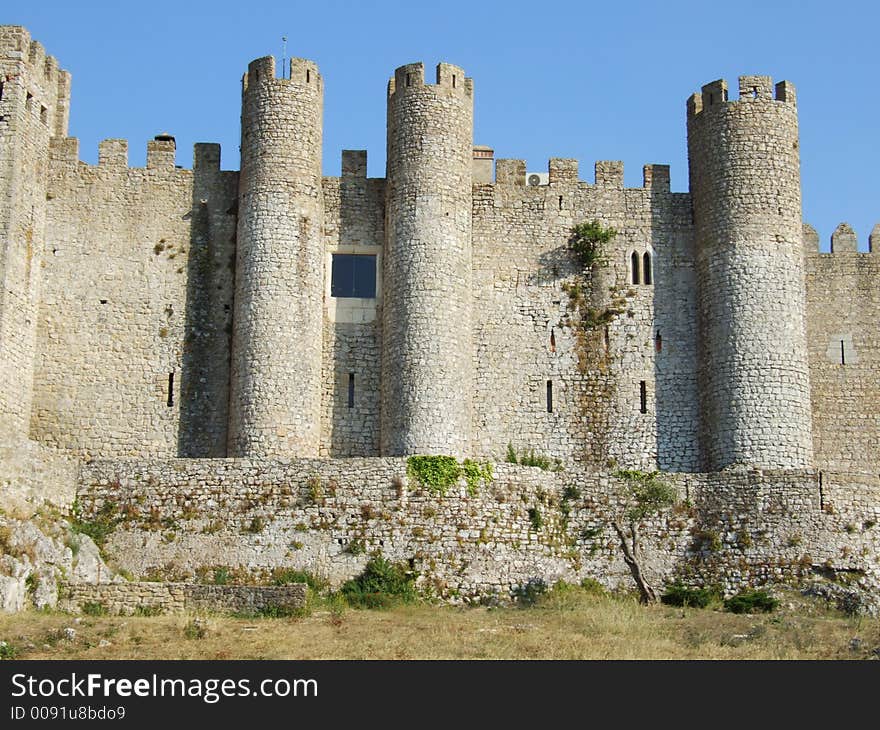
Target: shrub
(222,576)
(286,576)
(592,586)
(99,529)
(7,651)
(680,595)
(751,602)
(381,585)
(529,592)
(94,609)
(536,518)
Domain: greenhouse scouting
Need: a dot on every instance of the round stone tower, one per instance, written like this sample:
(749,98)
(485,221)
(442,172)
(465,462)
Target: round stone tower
(276,349)
(745,184)
(427,368)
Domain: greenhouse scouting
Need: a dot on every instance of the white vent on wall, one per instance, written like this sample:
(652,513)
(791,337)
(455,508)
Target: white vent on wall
(533,179)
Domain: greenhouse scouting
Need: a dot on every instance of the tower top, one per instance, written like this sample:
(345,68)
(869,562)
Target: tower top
(751,89)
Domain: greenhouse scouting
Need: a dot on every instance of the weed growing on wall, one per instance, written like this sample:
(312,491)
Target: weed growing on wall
(438,473)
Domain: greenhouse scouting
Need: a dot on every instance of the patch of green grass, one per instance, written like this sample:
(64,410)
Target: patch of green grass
(148,611)
(93,608)
(7,651)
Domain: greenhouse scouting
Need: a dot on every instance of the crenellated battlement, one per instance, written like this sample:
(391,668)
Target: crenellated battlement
(298,72)
(751,89)
(412,76)
(562,171)
(844,240)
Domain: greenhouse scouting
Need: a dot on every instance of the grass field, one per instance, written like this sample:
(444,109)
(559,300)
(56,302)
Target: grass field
(563,624)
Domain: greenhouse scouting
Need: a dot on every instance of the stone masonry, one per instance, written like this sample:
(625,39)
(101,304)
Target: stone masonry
(201,340)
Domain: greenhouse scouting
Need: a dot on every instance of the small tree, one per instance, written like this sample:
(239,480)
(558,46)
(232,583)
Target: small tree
(586,242)
(646,494)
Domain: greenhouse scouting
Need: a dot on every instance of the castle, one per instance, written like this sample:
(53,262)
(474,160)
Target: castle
(163,315)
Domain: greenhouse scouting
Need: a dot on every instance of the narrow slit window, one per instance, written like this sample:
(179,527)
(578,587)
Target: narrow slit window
(842,353)
(647,274)
(560,202)
(308,76)
(658,342)
(552,340)
(643,397)
(170,401)
(351,390)
(453,81)
(607,338)
(634,264)
(549,396)
(1,91)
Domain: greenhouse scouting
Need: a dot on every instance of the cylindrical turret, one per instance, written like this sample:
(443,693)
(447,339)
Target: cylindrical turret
(276,350)
(745,184)
(427,354)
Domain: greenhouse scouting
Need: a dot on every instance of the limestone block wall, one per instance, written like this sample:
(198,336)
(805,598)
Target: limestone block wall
(134,321)
(127,598)
(843,308)
(32,475)
(179,520)
(354,223)
(523,347)
(427,347)
(34,102)
(745,182)
(275,407)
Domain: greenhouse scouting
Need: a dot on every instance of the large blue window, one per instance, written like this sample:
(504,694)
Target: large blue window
(353,275)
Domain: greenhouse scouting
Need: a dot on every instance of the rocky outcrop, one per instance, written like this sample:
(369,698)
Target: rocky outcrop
(38,554)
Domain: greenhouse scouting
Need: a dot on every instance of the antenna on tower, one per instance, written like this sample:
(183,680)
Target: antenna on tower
(284,57)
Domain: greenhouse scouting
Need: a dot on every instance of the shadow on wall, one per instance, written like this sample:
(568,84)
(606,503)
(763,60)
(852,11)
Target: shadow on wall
(674,338)
(204,381)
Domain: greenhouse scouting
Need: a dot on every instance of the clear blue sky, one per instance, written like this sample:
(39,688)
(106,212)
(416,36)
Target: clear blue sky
(553,79)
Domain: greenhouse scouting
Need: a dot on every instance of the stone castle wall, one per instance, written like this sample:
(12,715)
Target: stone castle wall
(522,346)
(181,519)
(843,306)
(133,327)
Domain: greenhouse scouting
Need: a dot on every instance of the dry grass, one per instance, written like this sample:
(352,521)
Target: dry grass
(570,625)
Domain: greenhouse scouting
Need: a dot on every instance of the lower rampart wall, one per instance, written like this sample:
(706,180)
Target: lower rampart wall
(183,519)
(126,598)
